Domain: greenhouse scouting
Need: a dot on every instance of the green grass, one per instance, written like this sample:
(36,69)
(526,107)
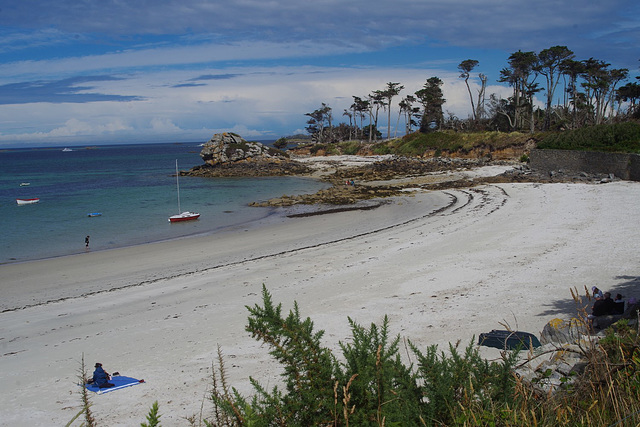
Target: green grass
(417,144)
(620,137)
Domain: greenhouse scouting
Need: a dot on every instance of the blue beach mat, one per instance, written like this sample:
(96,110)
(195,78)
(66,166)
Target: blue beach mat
(119,383)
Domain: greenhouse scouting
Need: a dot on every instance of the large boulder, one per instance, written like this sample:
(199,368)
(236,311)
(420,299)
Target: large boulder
(563,331)
(229,155)
(225,148)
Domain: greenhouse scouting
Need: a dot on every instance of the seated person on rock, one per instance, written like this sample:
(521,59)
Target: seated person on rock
(619,304)
(597,293)
(602,307)
(101,377)
(609,304)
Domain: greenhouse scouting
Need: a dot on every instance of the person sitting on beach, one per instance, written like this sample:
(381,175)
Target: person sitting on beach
(619,304)
(598,306)
(597,293)
(602,307)
(609,307)
(101,377)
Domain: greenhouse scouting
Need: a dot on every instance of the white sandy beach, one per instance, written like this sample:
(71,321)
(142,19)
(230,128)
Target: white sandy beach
(494,254)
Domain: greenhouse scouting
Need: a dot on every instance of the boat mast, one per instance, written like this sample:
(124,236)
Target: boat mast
(178,185)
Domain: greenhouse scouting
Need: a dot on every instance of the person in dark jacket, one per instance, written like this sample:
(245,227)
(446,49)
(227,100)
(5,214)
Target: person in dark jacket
(619,304)
(609,306)
(101,377)
(603,306)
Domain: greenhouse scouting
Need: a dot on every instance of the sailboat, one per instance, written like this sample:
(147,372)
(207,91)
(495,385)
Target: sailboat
(182,216)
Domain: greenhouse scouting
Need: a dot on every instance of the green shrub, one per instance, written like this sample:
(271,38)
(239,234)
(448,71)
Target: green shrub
(317,147)
(372,386)
(382,387)
(153,417)
(350,147)
(416,144)
(281,143)
(457,385)
(381,149)
(620,137)
(333,150)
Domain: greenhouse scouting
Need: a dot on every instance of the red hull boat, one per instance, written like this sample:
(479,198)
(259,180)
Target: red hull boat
(184,216)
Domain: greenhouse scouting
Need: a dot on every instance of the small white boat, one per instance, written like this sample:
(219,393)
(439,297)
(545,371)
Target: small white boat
(67,149)
(27,201)
(184,216)
(24,184)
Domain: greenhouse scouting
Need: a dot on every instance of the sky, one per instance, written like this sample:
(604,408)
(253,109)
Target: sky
(85,72)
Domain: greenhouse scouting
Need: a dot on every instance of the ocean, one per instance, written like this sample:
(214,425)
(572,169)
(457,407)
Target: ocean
(134,189)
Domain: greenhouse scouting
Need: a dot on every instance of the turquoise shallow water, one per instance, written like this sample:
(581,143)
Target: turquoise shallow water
(134,188)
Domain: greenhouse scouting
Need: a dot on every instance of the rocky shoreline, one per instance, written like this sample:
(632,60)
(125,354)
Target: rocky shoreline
(357,178)
(396,176)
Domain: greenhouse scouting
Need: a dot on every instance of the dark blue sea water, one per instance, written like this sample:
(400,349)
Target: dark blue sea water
(133,186)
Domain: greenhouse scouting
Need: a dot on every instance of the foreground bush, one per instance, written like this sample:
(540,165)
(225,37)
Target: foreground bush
(371,385)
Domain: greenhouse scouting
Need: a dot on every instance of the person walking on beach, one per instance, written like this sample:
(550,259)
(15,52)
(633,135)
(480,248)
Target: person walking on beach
(86,242)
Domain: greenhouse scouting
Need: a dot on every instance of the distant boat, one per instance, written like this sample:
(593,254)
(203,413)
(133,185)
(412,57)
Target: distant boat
(67,149)
(184,216)
(92,214)
(27,201)
(24,184)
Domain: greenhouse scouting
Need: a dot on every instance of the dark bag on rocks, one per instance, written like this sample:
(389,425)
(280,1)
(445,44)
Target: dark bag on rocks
(508,340)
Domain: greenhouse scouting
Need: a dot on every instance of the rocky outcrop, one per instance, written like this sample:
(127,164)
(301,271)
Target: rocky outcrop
(227,155)
(568,348)
(554,367)
(523,173)
(402,167)
(225,148)
(562,331)
(335,195)
(250,169)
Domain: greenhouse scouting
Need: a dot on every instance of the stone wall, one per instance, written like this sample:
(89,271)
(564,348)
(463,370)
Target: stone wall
(624,166)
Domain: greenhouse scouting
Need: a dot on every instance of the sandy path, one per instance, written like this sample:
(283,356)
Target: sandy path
(506,252)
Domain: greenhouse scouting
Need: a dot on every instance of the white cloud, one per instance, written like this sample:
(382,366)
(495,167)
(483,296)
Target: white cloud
(269,63)
(164,125)
(162,57)
(258,103)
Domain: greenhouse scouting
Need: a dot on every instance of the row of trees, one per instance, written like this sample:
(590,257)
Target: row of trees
(429,112)
(590,89)
(591,94)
